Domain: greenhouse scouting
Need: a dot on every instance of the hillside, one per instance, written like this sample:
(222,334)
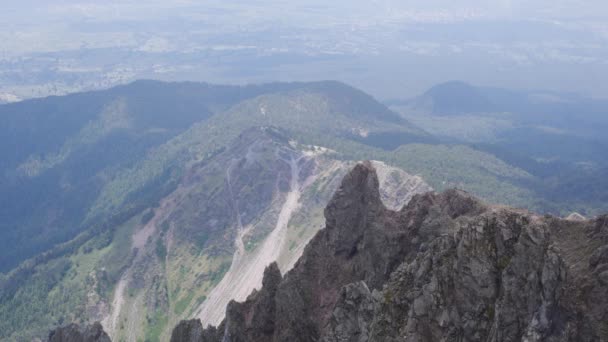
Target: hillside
(59,152)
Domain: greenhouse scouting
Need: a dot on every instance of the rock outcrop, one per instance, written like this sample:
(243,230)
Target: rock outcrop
(76,333)
(192,331)
(446,267)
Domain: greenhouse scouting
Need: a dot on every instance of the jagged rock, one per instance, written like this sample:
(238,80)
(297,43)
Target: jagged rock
(253,320)
(446,267)
(75,333)
(192,331)
(188,331)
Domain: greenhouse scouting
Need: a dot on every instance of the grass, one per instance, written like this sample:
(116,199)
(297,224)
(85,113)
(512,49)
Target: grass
(182,304)
(156,326)
(120,254)
(217,276)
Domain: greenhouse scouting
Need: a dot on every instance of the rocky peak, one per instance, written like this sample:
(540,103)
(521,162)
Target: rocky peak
(254,319)
(192,331)
(353,204)
(272,277)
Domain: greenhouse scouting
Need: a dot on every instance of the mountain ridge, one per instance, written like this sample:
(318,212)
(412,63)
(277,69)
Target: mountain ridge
(70,147)
(336,292)
(444,267)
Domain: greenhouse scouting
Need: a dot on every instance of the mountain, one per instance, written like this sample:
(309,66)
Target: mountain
(455,97)
(60,153)
(153,199)
(500,111)
(207,242)
(165,230)
(554,137)
(445,267)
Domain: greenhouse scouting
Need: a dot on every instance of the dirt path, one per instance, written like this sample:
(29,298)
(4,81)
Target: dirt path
(245,273)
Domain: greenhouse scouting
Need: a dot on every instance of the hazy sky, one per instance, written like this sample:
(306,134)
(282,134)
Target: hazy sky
(44,18)
(538,9)
(557,44)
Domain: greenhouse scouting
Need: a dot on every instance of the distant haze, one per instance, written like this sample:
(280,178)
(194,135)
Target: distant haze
(393,49)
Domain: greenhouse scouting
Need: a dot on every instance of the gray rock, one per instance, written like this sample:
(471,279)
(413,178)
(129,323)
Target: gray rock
(352,316)
(254,319)
(188,331)
(192,331)
(75,333)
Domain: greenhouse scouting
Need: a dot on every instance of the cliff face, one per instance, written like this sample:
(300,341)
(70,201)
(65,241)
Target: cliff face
(445,267)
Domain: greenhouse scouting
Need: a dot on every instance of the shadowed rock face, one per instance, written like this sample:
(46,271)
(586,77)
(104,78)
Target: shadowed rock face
(192,331)
(446,267)
(75,333)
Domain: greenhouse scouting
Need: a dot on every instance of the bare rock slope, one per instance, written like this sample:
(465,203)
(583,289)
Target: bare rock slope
(446,267)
